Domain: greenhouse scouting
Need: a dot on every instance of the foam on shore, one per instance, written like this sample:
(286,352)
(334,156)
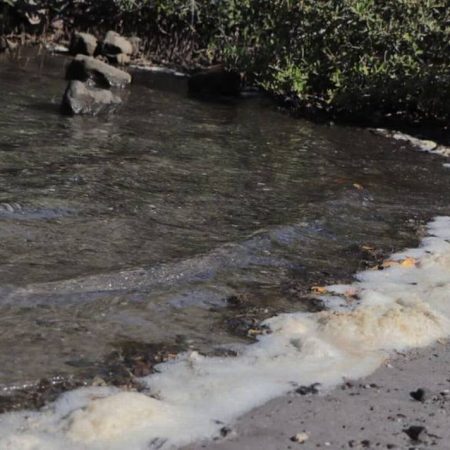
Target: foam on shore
(405,305)
(424,145)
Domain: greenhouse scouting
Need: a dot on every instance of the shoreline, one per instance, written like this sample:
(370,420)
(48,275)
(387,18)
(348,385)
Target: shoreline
(372,412)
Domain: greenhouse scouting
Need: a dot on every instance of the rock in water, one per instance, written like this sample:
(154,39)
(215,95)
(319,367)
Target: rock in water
(79,98)
(114,44)
(83,43)
(84,68)
(216,81)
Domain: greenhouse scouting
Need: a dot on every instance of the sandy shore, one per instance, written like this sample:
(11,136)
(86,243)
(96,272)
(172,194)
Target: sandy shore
(369,413)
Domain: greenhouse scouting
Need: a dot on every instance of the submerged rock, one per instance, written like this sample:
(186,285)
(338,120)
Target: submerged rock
(83,43)
(216,81)
(84,68)
(80,98)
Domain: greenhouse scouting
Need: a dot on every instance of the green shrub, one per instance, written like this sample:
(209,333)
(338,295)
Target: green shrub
(346,57)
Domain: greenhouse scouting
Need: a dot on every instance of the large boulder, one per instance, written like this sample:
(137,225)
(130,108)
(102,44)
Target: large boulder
(85,68)
(215,81)
(114,44)
(80,98)
(83,43)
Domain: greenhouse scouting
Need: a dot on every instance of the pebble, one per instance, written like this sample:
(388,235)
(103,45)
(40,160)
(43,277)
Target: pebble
(414,432)
(300,438)
(307,390)
(420,394)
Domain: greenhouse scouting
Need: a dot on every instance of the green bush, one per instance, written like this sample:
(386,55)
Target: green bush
(345,57)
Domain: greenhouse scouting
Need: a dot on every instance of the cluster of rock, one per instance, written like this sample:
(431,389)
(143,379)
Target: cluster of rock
(115,48)
(91,75)
(94,81)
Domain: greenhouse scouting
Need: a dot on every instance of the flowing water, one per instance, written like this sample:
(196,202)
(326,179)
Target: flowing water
(140,226)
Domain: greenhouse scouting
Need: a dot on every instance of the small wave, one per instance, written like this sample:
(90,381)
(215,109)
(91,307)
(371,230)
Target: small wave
(405,305)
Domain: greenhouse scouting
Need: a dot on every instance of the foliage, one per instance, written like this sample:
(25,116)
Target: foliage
(346,57)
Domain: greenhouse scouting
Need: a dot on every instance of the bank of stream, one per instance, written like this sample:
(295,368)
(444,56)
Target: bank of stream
(177,223)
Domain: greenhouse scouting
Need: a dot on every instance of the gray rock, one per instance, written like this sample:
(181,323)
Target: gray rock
(80,98)
(83,43)
(121,59)
(84,68)
(114,44)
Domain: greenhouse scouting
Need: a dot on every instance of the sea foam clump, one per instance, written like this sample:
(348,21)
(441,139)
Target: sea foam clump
(405,305)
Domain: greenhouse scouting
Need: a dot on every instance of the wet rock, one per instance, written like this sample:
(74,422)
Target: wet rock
(236,301)
(300,438)
(415,432)
(216,81)
(121,59)
(37,395)
(83,43)
(420,395)
(85,68)
(79,98)
(308,390)
(138,359)
(114,44)
(246,326)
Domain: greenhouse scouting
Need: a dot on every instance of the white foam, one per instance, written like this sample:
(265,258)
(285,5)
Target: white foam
(403,306)
(423,145)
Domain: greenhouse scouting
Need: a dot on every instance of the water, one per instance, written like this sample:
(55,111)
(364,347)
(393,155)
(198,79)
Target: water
(139,226)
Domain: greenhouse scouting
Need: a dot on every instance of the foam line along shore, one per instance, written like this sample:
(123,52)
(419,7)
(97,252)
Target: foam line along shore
(405,305)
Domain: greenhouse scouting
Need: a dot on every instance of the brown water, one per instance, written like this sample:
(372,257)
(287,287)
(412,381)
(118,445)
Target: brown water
(139,226)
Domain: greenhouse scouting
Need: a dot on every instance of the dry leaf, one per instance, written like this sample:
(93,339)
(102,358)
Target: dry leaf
(319,290)
(408,262)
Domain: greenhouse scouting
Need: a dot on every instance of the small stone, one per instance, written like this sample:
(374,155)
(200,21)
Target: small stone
(414,432)
(420,394)
(300,438)
(308,390)
(226,431)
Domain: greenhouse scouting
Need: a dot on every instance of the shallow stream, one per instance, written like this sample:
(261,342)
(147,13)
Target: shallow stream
(141,226)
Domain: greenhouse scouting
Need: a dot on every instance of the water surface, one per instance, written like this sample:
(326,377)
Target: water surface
(140,225)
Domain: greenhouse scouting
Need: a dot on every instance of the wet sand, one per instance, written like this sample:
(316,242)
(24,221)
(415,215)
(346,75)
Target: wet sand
(370,413)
